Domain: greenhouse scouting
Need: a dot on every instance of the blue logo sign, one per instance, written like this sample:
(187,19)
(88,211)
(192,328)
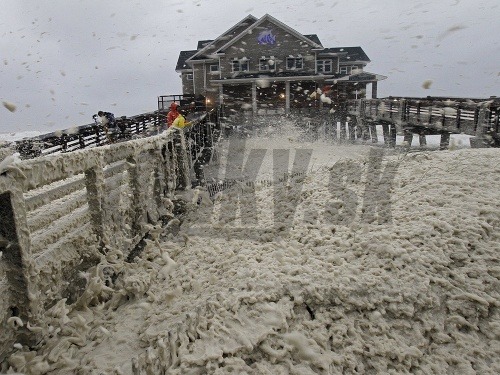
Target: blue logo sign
(266,37)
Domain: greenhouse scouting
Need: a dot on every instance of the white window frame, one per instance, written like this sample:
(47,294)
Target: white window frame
(240,65)
(295,60)
(189,76)
(324,64)
(264,63)
(214,68)
(348,69)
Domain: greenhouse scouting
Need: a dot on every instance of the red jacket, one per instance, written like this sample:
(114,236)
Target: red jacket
(172,114)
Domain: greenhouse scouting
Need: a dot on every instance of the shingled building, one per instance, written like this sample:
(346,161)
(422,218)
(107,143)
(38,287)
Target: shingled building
(263,64)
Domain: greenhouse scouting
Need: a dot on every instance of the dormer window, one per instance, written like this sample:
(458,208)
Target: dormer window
(240,65)
(294,62)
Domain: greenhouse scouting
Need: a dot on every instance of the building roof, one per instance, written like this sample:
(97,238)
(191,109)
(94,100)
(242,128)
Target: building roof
(314,38)
(211,46)
(203,43)
(207,47)
(183,56)
(273,20)
(347,53)
(359,77)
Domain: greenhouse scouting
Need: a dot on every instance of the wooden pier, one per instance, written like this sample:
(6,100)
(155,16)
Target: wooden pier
(430,116)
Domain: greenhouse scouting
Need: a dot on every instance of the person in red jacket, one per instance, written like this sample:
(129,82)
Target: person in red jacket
(172,114)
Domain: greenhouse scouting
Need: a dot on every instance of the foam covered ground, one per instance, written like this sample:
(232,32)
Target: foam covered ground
(241,291)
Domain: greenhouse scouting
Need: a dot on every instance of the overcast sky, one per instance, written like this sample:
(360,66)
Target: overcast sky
(63,60)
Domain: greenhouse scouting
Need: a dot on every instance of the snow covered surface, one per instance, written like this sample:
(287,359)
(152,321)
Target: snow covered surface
(237,291)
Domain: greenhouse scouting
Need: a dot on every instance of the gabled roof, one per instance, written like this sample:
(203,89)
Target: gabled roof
(269,18)
(348,53)
(224,36)
(314,38)
(181,62)
(203,43)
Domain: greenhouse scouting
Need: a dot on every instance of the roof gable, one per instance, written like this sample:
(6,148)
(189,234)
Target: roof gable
(279,24)
(181,61)
(348,54)
(203,43)
(314,38)
(213,45)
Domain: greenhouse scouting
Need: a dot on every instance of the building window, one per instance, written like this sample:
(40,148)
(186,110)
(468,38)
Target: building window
(294,63)
(266,63)
(324,66)
(263,64)
(189,76)
(240,65)
(349,69)
(214,68)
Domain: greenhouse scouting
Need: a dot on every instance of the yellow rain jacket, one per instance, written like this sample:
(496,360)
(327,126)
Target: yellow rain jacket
(180,122)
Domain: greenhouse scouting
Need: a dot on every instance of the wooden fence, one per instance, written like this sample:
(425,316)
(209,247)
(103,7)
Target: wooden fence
(427,116)
(63,212)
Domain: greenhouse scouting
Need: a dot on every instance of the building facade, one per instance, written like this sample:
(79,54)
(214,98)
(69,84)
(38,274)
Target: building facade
(263,64)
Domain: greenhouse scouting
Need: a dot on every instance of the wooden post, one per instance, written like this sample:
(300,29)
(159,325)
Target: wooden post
(374,90)
(16,255)
(445,141)
(387,135)
(422,140)
(408,138)
(352,132)
(183,179)
(254,98)
(287,97)
(94,181)
(136,185)
(333,129)
(343,132)
(366,132)
(392,142)
(373,131)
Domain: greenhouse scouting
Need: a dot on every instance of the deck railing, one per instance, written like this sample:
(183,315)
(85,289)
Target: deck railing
(431,116)
(65,212)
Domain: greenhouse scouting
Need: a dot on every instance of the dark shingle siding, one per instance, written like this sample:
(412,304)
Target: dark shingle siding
(203,43)
(353,53)
(183,56)
(314,38)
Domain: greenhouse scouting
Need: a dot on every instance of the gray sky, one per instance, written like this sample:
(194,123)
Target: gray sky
(63,60)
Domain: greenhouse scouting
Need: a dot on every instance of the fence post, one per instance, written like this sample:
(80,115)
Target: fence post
(181,151)
(137,193)
(94,182)
(16,254)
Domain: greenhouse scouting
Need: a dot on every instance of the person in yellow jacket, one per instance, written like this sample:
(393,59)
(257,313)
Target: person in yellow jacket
(180,121)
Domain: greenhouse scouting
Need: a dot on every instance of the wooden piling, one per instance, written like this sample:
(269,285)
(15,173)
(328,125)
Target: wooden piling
(445,141)
(392,130)
(373,131)
(422,140)
(408,138)
(386,134)
(352,132)
(343,134)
